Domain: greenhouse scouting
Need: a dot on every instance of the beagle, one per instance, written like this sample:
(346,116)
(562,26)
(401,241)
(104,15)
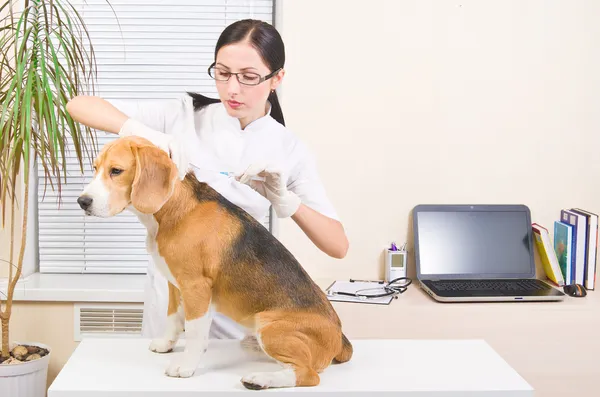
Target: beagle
(214,253)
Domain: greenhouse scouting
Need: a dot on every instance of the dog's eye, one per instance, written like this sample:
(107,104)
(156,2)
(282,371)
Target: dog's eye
(115,171)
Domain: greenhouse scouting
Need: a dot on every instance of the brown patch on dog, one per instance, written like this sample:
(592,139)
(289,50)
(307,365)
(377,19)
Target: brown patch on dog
(192,238)
(154,179)
(174,299)
(196,295)
(282,332)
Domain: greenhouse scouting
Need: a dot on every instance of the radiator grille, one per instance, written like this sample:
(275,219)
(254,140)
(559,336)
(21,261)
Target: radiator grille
(108,320)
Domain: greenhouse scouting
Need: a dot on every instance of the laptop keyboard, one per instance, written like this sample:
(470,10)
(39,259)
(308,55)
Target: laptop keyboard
(489,285)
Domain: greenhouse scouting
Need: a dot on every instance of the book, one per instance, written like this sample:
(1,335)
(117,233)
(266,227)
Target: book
(592,247)
(579,238)
(547,254)
(563,246)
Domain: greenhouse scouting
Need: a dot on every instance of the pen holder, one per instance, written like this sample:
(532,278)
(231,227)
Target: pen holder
(395,264)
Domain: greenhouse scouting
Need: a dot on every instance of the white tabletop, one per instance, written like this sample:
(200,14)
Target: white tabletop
(126,368)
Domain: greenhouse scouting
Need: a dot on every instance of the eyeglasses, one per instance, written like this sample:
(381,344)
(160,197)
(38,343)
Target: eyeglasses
(246,78)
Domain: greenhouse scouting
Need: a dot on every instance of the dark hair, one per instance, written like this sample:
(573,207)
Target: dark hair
(267,41)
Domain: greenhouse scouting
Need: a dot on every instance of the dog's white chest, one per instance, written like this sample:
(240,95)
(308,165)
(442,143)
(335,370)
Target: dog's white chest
(152,247)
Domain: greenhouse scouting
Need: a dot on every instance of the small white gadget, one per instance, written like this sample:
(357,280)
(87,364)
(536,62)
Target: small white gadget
(395,264)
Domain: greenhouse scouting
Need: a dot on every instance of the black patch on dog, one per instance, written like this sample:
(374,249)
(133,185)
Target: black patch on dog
(253,386)
(275,264)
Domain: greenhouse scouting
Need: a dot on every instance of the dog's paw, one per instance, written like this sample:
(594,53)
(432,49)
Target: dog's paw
(256,381)
(161,345)
(180,367)
(265,380)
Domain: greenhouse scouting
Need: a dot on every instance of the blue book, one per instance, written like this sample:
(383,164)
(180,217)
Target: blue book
(563,243)
(579,260)
(589,235)
(592,247)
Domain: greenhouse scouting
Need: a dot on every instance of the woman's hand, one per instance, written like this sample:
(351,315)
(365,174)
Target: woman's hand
(326,233)
(269,182)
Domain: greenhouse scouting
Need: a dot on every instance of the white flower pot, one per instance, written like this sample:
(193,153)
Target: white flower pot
(26,379)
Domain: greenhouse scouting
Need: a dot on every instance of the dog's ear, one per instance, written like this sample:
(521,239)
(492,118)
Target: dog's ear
(154,180)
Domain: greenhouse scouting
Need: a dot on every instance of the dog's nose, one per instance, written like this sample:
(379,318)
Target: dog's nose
(84,202)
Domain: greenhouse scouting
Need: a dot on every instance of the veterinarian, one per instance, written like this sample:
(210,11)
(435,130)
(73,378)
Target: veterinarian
(243,131)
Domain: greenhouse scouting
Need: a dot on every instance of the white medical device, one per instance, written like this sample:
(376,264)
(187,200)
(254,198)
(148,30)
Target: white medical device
(395,264)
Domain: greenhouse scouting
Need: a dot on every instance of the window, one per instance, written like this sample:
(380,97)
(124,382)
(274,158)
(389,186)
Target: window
(159,49)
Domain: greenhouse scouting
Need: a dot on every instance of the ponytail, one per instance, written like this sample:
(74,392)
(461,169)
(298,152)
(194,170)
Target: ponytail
(276,111)
(201,101)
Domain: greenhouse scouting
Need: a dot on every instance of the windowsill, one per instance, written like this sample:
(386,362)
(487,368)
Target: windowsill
(41,287)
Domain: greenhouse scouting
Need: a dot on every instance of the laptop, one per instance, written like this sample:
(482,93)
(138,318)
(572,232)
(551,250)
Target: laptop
(478,253)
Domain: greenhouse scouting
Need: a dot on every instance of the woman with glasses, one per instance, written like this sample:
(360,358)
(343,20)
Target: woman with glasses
(242,132)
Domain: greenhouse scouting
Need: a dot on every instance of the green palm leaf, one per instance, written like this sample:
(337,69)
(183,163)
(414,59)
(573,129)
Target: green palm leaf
(44,62)
(46,58)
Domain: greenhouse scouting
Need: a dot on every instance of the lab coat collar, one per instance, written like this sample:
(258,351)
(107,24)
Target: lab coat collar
(256,124)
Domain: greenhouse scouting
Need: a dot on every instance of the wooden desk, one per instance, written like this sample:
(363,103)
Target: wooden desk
(553,345)
(126,368)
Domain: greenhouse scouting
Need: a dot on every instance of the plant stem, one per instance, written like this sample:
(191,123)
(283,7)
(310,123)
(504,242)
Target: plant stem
(5,350)
(4,319)
(11,256)
(5,316)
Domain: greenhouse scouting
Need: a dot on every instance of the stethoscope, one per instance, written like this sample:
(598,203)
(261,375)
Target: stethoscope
(392,288)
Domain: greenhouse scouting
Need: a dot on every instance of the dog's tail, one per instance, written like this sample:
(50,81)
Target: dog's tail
(346,353)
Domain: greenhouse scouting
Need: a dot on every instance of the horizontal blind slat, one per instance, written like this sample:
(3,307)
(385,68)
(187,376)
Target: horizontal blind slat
(119,38)
(57,244)
(88,251)
(90,258)
(115,269)
(69,230)
(110,268)
(90,241)
(165,3)
(116,222)
(91,12)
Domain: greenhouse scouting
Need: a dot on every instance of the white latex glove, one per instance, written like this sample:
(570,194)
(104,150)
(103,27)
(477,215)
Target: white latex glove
(273,188)
(166,142)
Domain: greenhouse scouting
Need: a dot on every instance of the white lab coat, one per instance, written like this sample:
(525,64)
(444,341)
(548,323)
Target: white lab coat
(215,142)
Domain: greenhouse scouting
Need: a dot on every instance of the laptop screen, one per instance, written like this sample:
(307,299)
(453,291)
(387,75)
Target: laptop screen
(474,242)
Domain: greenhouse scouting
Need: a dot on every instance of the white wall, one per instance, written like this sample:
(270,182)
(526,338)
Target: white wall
(408,102)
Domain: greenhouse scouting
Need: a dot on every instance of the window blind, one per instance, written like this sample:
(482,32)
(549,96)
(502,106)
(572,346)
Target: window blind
(145,50)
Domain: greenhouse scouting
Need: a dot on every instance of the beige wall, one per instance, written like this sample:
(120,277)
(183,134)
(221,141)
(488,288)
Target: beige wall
(48,323)
(30,254)
(4,232)
(5,245)
(408,102)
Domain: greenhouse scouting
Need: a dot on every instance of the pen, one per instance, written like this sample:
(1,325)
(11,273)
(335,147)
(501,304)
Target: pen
(366,281)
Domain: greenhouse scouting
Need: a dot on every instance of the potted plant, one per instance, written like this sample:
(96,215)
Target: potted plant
(44,61)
